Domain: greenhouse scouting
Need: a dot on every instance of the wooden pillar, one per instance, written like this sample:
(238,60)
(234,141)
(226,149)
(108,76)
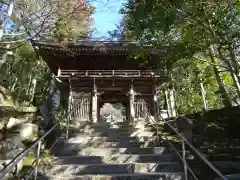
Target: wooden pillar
(127,110)
(131,103)
(98,110)
(94,103)
(149,105)
(70,101)
(69,110)
(87,111)
(155,101)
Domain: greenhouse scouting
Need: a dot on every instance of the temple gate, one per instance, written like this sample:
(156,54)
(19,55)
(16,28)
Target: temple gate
(91,73)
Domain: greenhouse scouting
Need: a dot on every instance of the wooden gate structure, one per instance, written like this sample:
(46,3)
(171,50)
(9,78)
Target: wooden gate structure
(90,73)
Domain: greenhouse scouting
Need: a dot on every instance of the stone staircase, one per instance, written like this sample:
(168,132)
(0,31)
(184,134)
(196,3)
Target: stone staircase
(224,156)
(223,153)
(104,151)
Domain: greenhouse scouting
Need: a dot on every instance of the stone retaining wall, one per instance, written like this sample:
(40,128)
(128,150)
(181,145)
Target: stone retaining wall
(216,125)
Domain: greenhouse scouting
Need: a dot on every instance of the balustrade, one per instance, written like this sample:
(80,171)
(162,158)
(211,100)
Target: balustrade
(141,108)
(112,73)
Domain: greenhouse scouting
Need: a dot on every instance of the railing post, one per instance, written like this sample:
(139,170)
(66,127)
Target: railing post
(157,134)
(67,128)
(184,159)
(37,159)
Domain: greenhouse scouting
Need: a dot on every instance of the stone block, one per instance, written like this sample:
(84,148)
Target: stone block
(29,132)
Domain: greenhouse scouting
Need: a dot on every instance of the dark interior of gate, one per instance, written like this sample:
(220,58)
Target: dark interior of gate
(93,73)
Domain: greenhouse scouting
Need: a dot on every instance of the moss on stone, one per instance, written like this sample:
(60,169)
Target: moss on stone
(29,160)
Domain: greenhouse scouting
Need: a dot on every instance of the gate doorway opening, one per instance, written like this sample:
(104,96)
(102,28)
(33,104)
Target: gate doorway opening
(112,113)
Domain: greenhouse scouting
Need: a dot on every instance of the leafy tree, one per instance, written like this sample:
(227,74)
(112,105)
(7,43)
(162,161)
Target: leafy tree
(73,20)
(25,75)
(22,71)
(187,78)
(185,28)
(57,20)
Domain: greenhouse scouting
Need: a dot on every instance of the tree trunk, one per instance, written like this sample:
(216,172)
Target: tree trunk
(235,65)
(170,99)
(172,102)
(231,70)
(223,91)
(203,96)
(29,84)
(14,84)
(167,102)
(32,90)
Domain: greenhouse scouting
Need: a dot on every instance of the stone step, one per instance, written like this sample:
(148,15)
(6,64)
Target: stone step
(124,176)
(110,144)
(205,172)
(231,177)
(112,129)
(115,133)
(222,150)
(116,158)
(227,167)
(68,151)
(65,170)
(85,139)
(223,157)
(110,124)
(75,151)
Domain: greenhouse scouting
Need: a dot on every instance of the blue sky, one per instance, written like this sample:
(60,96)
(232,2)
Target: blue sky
(106,16)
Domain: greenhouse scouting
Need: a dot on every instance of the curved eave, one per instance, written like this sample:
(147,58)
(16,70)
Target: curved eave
(69,54)
(93,47)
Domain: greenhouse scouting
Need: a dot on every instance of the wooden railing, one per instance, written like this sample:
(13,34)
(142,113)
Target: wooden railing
(82,108)
(141,108)
(111,73)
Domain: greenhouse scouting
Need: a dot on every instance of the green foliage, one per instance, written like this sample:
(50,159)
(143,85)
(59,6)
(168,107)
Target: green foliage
(25,75)
(187,76)
(23,72)
(73,21)
(183,29)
